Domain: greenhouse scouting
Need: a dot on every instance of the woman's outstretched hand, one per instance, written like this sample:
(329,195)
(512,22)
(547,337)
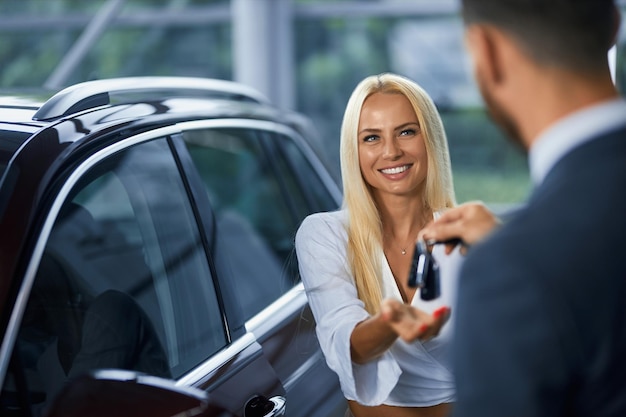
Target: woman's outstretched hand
(373,336)
(412,324)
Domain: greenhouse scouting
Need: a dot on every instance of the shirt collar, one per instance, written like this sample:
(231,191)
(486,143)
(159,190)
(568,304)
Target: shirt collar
(572,131)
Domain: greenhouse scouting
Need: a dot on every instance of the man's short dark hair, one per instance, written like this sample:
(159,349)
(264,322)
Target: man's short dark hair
(566,33)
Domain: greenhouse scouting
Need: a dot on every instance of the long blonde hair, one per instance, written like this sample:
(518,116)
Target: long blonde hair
(364,225)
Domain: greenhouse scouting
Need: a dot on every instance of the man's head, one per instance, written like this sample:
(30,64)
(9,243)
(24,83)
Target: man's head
(521,48)
(564,33)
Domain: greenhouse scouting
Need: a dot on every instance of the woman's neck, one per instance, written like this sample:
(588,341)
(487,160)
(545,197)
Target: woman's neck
(404,218)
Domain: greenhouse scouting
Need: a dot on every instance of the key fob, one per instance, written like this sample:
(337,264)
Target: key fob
(431,288)
(424,273)
(417,263)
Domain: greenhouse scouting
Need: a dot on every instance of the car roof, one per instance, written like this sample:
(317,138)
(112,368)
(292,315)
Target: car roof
(16,113)
(37,111)
(130,102)
(91,94)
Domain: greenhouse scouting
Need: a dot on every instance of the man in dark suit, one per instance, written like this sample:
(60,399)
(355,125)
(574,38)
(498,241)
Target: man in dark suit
(541,312)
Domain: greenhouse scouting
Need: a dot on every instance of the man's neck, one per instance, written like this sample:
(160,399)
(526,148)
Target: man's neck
(558,95)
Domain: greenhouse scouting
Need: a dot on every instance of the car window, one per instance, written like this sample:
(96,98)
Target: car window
(305,187)
(124,281)
(255,218)
(304,190)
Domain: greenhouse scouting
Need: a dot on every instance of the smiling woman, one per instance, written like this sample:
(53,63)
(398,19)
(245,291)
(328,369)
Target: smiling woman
(392,153)
(387,345)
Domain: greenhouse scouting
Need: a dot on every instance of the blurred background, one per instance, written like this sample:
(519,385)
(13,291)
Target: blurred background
(305,55)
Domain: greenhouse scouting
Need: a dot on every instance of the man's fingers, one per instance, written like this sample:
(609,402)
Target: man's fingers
(441,232)
(470,222)
(450,247)
(451,215)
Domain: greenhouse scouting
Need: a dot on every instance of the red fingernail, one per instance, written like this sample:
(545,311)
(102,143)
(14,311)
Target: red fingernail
(440,312)
(423,328)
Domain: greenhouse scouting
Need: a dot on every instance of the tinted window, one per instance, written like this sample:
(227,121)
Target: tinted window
(124,280)
(304,186)
(255,219)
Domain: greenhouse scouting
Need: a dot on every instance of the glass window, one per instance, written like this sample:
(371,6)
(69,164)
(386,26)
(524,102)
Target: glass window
(304,186)
(124,281)
(304,189)
(254,220)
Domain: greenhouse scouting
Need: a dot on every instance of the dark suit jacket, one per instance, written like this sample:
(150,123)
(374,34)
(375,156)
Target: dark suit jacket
(541,314)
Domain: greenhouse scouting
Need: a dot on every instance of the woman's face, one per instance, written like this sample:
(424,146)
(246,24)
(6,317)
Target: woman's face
(392,154)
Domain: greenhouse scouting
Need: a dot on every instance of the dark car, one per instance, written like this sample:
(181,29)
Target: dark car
(146,253)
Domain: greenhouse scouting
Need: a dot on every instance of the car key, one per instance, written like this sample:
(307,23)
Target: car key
(424,272)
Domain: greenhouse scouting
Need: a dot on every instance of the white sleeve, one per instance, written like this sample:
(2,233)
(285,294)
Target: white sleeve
(321,248)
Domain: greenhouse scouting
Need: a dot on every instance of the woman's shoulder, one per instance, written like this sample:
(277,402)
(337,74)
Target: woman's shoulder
(328,222)
(330,218)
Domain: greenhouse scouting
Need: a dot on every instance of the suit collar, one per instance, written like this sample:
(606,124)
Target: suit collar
(571,132)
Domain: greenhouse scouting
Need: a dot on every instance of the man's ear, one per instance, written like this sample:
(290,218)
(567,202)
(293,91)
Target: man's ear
(482,42)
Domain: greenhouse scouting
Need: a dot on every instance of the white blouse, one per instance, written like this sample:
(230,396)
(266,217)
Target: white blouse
(408,374)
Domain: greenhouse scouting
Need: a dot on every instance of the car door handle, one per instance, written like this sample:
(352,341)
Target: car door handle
(260,406)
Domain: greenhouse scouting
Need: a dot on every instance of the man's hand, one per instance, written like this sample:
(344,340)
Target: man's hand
(471,222)
(412,324)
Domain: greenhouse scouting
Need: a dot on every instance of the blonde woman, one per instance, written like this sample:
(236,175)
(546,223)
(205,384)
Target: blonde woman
(387,345)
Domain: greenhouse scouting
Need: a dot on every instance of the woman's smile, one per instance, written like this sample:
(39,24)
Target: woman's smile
(395,170)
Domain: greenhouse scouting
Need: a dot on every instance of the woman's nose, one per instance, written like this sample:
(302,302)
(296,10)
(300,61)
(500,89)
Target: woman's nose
(391,150)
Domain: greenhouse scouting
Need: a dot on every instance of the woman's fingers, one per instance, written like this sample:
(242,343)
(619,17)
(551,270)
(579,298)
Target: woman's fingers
(440,318)
(412,324)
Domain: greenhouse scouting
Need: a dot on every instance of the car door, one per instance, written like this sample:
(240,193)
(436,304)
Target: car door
(262,180)
(121,278)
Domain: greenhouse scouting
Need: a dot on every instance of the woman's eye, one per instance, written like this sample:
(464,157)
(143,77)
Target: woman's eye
(370,138)
(408,132)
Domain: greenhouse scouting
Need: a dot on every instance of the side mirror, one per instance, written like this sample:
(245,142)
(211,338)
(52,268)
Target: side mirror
(119,393)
